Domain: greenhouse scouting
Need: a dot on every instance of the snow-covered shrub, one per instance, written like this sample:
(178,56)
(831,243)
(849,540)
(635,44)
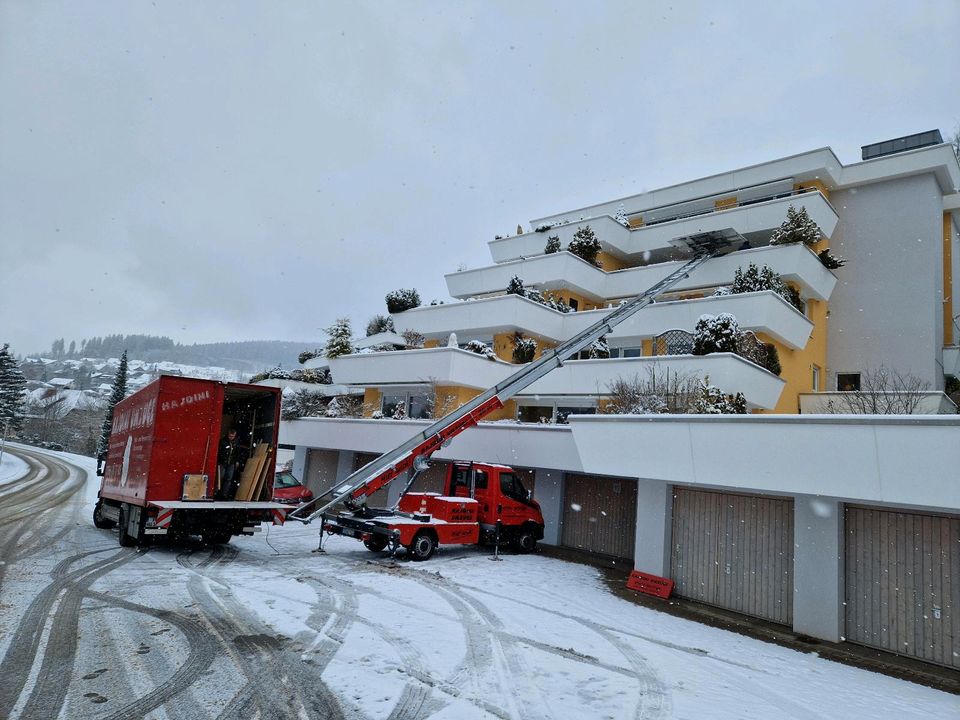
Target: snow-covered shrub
(661,391)
(621,216)
(344,406)
(274,373)
(303,403)
(523,349)
(757,279)
(798,227)
(320,376)
(402,299)
(771,359)
(309,355)
(585,245)
(515,287)
(543,228)
(599,350)
(413,339)
(711,400)
(831,262)
(720,333)
(400,411)
(480,348)
(340,340)
(553,245)
(379,324)
(376,415)
(722,291)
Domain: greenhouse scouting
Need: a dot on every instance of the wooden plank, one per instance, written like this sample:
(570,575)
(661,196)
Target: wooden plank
(250,473)
(262,475)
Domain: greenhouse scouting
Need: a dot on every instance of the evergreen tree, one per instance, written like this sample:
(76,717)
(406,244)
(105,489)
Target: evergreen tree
(515,287)
(341,339)
(553,245)
(713,334)
(798,227)
(13,385)
(116,395)
(586,245)
(621,216)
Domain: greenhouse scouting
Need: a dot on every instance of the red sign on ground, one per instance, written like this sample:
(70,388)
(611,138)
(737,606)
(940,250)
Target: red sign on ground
(650,584)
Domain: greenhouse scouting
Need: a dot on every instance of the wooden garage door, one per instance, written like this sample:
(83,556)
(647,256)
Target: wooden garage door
(600,514)
(903,583)
(735,552)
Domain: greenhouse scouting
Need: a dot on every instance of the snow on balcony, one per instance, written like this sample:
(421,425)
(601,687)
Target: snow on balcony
(795,263)
(754,221)
(763,312)
(452,366)
(729,372)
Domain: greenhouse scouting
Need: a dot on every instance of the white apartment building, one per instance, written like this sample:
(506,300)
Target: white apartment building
(838,526)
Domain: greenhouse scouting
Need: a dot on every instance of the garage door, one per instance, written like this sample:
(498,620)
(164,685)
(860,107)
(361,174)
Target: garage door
(903,583)
(735,552)
(600,514)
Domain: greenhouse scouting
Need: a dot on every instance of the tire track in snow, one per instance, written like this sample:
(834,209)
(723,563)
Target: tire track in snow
(21,654)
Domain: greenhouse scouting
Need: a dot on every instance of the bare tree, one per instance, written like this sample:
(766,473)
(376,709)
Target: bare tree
(661,391)
(883,391)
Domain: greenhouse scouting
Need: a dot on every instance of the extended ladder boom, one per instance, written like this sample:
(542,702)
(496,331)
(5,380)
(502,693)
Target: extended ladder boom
(379,472)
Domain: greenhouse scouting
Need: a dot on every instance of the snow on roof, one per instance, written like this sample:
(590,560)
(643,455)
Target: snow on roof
(61,382)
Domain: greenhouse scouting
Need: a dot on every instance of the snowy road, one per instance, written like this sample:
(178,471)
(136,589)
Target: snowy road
(266,628)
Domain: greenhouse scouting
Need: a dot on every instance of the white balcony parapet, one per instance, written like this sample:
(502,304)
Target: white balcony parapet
(928,402)
(795,263)
(895,459)
(510,443)
(754,220)
(763,312)
(452,366)
(951,360)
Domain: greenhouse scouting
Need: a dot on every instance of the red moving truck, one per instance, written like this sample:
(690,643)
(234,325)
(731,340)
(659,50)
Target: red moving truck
(161,473)
(479,501)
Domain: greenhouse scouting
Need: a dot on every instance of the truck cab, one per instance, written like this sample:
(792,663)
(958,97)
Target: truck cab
(501,497)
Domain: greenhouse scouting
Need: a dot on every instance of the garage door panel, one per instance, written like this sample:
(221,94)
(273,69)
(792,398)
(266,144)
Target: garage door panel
(901,583)
(734,551)
(600,514)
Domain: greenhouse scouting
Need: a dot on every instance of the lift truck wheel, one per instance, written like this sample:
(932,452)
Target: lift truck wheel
(101,522)
(126,540)
(526,541)
(375,543)
(422,547)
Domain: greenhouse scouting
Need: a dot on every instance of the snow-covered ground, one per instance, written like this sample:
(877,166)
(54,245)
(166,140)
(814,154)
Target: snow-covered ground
(193,632)
(11,468)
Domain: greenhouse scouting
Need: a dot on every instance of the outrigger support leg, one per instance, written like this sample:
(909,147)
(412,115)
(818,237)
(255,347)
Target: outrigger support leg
(320,545)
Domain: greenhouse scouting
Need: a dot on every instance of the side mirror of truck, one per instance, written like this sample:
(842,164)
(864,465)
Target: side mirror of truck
(529,495)
(100,463)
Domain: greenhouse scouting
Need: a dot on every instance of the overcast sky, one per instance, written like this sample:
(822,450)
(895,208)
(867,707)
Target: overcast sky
(253,170)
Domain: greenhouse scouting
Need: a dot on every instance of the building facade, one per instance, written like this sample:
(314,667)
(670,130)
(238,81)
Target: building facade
(798,518)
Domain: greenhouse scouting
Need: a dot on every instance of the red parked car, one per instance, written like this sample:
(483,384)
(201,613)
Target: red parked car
(288,490)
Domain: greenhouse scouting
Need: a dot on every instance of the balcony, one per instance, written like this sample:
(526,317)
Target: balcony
(754,221)
(795,263)
(764,312)
(452,366)
(444,366)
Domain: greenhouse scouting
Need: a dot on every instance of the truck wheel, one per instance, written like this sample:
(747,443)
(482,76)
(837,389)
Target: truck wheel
(375,543)
(221,537)
(103,523)
(422,547)
(126,540)
(526,541)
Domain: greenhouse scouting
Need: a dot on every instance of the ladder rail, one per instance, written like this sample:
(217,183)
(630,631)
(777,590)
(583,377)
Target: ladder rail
(395,461)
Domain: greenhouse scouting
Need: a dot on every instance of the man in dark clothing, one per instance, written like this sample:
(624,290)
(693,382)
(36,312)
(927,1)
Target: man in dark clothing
(231,459)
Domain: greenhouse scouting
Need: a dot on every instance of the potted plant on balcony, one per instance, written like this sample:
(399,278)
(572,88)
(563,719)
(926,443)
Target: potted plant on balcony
(524,349)
(402,299)
(585,245)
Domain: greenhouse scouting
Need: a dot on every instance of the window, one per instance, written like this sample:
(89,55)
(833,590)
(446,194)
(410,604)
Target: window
(815,379)
(562,413)
(390,404)
(632,352)
(847,382)
(511,486)
(574,304)
(535,413)
(461,478)
(418,407)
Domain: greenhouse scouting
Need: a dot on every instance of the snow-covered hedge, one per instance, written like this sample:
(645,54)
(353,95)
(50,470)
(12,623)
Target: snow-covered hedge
(720,333)
(480,348)
(515,287)
(402,299)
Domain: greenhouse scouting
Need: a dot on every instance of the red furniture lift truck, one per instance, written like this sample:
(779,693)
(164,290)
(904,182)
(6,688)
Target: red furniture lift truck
(463,515)
(161,471)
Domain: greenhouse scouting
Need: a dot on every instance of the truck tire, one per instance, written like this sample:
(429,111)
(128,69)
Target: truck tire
(125,539)
(422,547)
(526,540)
(375,543)
(99,521)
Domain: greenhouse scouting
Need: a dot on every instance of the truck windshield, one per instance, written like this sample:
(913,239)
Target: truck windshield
(511,486)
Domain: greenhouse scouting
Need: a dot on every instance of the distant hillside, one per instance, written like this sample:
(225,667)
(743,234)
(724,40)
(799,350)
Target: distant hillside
(247,357)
